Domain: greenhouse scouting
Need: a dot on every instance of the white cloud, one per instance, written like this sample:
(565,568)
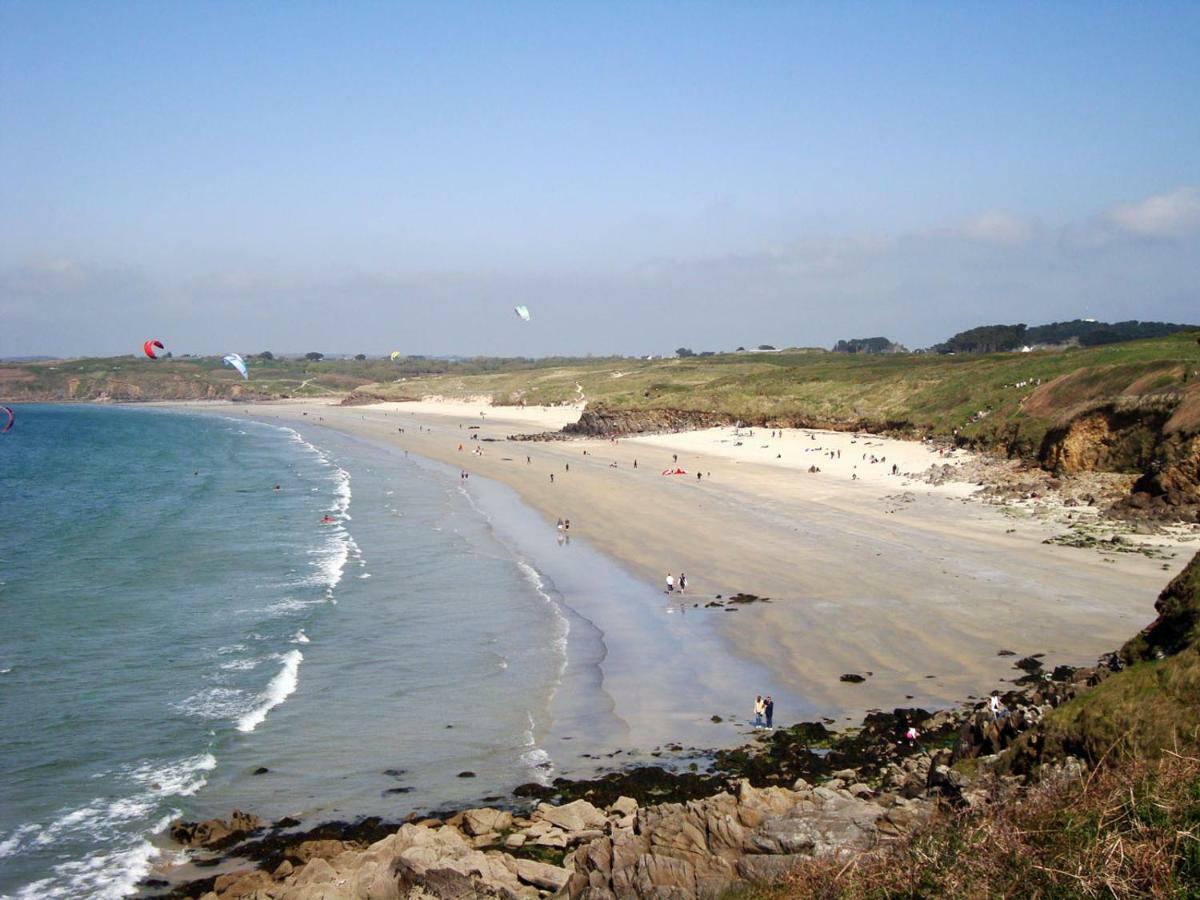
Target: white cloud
(1171,215)
(995,227)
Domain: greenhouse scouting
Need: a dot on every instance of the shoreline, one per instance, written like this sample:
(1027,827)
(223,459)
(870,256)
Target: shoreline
(434,428)
(941,582)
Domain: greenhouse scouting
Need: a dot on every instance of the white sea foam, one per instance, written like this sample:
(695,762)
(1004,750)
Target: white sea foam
(14,841)
(113,871)
(562,623)
(300,638)
(535,758)
(280,688)
(240,665)
(289,605)
(214,703)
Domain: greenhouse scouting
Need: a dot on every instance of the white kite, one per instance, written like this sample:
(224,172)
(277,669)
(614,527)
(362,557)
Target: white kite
(522,311)
(237,362)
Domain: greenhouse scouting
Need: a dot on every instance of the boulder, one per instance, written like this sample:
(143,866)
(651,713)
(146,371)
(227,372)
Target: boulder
(309,850)
(578,815)
(481,821)
(541,875)
(514,841)
(244,883)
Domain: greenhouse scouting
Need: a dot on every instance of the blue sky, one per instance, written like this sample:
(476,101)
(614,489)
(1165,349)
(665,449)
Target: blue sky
(370,176)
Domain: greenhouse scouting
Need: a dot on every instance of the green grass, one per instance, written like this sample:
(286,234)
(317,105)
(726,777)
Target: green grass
(920,393)
(915,393)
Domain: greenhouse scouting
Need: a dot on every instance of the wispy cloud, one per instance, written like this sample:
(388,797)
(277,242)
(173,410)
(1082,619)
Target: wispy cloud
(994,227)
(1172,215)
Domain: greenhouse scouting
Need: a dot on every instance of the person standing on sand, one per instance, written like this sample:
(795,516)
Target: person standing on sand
(682,582)
(670,583)
(769,709)
(552,478)
(760,709)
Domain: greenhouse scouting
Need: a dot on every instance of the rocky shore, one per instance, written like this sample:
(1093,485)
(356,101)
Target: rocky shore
(794,794)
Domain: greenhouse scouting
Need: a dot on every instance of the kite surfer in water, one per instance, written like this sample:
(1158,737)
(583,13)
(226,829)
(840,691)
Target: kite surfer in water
(325,520)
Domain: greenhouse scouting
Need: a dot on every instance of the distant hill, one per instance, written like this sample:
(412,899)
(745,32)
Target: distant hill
(1078,332)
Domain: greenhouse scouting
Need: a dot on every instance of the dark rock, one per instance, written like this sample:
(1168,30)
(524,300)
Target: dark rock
(852,678)
(261,770)
(1006,653)
(466,774)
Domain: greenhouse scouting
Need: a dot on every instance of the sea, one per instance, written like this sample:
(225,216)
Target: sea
(199,612)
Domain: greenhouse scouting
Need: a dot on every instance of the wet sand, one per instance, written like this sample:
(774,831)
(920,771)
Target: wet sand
(915,587)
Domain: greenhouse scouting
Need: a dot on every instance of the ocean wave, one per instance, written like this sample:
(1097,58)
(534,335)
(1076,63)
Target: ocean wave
(562,623)
(240,665)
(214,703)
(280,688)
(106,876)
(113,871)
(536,759)
(300,638)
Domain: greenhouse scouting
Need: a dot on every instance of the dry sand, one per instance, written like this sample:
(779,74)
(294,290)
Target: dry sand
(915,587)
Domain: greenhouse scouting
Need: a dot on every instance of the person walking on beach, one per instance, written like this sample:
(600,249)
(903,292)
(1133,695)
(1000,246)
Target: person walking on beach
(769,709)
(760,709)
(552,478)
(682,582)
(670,583)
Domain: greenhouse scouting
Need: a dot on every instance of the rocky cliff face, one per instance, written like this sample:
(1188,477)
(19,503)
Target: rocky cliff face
(1155,439)
(113,389)
(602,420)
(1178,624)
(598,420)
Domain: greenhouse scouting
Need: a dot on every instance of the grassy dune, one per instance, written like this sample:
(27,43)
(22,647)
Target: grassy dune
(916,392)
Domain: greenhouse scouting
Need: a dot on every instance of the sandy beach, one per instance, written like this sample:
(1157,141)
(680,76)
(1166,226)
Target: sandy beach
(917,588)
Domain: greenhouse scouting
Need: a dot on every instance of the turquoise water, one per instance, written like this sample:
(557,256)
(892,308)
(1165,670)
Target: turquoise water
(170,623)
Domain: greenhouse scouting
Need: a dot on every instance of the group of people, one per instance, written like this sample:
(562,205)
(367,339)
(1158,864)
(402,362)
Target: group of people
(672,584)
(764,709)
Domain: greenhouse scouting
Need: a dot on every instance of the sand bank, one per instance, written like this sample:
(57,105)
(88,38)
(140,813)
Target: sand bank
(916,587)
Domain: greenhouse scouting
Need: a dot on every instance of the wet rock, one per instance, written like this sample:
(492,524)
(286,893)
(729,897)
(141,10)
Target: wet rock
(852,678)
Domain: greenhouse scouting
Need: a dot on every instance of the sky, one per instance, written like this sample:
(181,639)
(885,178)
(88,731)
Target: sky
(377,176)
